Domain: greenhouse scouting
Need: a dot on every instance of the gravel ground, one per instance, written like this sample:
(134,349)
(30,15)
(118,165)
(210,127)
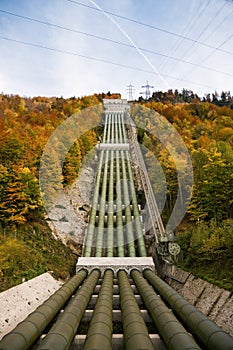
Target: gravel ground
(18,302)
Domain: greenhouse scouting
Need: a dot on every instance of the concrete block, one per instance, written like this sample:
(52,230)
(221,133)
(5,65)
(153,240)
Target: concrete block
(225,294)
(115,264)
(208,298)
(193,289)
(225,317)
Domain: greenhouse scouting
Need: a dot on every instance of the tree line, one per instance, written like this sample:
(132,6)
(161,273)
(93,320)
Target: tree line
(223,99)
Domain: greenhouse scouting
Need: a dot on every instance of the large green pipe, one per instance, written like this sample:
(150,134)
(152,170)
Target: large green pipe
(91,225)
(128,215)
(172,332)
(101,240)
(123,127)
(110,222)
(206,331)
(116,129)
(91,229)
(120,129)
(110,219)
(105,127)
(63,331)
(113,129)
(137,221)
(99,334)
(135,330)
(119,218)
(126,202)
(102,209)
(109,127)
(28,331)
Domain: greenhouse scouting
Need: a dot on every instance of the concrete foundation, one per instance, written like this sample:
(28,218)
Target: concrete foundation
(115,264)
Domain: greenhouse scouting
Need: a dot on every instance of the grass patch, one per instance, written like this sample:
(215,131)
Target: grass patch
(207,252)
(30,250)
(221,277)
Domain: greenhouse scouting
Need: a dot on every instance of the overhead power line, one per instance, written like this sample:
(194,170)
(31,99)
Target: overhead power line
(72,53)
(149,26)
(217,27)
(219,46)
(62,27)
(98,60)
(206,27)
(31,19)
(187,29)
(211,53)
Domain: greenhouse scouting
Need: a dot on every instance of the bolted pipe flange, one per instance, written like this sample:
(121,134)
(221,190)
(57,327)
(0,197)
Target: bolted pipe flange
(173,248)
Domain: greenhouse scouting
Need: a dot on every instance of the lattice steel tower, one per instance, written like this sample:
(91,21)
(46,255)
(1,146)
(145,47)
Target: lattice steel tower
(130,89)
(147,91)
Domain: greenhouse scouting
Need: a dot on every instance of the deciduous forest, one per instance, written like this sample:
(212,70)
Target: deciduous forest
(27,247)
(206,233)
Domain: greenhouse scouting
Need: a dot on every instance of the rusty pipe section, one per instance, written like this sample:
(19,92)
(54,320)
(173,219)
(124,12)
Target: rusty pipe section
(99,334)
(135,331)
(29,330)
(63,332)
(203,329)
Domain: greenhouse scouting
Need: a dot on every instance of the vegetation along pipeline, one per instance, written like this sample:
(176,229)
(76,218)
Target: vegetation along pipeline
(118,299)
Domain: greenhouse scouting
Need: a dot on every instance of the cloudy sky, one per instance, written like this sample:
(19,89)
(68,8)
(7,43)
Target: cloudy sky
(74,48)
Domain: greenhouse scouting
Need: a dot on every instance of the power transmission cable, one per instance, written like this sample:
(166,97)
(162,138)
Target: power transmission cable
(71,53)
(187,29)
(97,59)
(205,28)
(213,51)
(225,41)
(190,47)
(147,25)
(219,25)
(109,40)
(63,27)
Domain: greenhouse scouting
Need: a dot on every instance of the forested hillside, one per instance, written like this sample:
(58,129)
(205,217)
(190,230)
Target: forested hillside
(206,234)
(27,247)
